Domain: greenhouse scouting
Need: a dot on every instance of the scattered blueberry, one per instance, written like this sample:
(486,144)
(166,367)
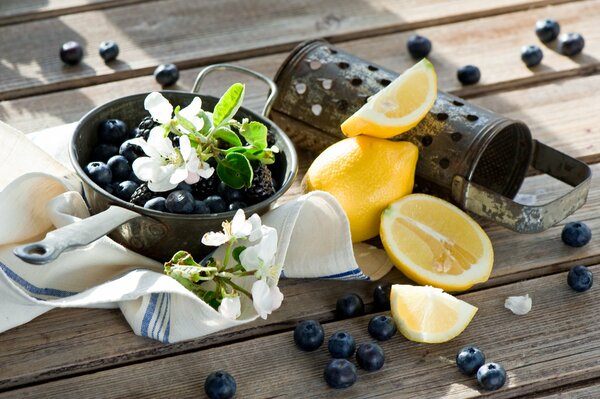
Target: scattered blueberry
(157,204)
(201,208)
(119,166)
(491,376)
(418,46)
(235,205)
(547,30)
(570,44)
(108,50)
(180,201)
(580,278)
(370,356)
(215,203)
(103,152)
(531,55)
(309,335)
(125,190)
(131,151)
(166,74)
(576,234)
(71,53)
(341,345)
(382,327)
(220,385)
(99,172)
(350,305)
(340,373)
(381,296)
(112,131)
(468,74)
(469,359)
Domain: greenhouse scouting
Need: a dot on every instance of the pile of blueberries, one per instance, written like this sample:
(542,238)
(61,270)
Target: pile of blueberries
(110,168)
(547,30)
(71,53)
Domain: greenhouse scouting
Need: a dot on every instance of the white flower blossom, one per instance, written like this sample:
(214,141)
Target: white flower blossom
(161,111)
(231,307)
(238,228)
(261,256)
(265,299)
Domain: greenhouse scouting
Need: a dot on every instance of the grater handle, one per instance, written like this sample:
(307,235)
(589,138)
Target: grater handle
(230,67)
(529,218)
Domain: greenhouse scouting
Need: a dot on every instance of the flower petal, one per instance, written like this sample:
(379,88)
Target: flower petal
(192,178)
(215,239)
(276,297)
(185,147)
(206,171)
(161,144)
(191,113)
(240,228)
(261,298)
(230,307)
(179,175)
(256,233)
(159,107)
(145,168)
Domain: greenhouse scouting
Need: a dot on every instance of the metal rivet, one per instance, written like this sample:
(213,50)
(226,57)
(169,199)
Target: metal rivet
(343,65)
(373,68)
(300,88)
(444,163)
(456,136)
(316,109)
(472,117)
(426,140)
(442,116)
(356,81)
(384,82)
(327,83)
(315,64)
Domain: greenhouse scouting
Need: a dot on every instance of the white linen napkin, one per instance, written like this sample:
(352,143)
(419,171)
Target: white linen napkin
(40,194)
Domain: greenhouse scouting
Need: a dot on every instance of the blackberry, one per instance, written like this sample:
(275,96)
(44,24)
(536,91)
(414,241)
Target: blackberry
(262,184)
(205,187)
(141,195)
(145,126)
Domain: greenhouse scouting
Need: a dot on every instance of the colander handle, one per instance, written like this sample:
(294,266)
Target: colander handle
(230,67)
(529,218)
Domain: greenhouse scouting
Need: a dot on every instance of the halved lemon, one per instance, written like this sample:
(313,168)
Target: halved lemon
(433,242)
(398,107)
(427,314)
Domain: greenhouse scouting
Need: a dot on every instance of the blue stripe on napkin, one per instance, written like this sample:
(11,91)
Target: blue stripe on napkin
(32,289)
(355,274)
(148,315)
(159,316)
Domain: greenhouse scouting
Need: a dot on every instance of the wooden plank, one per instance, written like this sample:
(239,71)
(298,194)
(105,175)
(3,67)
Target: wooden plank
(579,391)
(18,11)
(64,342)
(161,33)
(557,343)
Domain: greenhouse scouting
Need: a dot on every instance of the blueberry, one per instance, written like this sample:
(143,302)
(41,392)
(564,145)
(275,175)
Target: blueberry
(180,201)
(135,133)
(418,46)
(131,151)
(120,168)
(547,30)
(220,385)
(341,345)
(570,44)
(229,194)
(111,188)
(349,305)
(576,234)
(340,374)
(370,356)
(216,204)
(157,204)
(184,186)
(99,172)
(469,359)
(531,55)
(468,74)
(134,178)
(112,131)
(103,152)
(166,74)
(108,50)
(235,205)
(580,278)
(382,327)
(71,53)
(381,296)
(309,335)
(125,190)
(491,376)
(201,208)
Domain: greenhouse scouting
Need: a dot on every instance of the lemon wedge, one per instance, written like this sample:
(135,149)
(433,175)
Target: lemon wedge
(434,243)
(398,107)
(427,314)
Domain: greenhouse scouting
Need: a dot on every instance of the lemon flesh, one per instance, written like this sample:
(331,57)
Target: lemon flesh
(397,108)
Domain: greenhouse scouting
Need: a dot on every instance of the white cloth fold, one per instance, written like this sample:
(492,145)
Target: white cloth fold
(314,241)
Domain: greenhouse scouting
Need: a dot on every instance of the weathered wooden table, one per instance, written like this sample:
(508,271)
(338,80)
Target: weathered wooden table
(554,351)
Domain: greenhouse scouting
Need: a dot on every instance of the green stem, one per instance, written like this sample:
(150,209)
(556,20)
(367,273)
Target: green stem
(237,287)
(227,255)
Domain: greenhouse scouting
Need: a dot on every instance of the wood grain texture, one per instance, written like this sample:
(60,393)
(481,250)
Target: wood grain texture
(171,31)
(556,344)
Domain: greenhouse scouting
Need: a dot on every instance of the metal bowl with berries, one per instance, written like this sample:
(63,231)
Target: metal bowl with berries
(161,169)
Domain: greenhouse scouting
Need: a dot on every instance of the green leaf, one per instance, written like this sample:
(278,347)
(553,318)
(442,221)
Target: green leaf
(189,126)
(235,171)
(237,251)
(255,134)
(229,104)
(207,126)
(227,135)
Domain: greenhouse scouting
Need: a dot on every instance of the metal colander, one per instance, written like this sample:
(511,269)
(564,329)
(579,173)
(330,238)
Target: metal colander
(467,154)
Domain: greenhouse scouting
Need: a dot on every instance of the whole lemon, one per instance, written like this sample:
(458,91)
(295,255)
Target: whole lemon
(365,174)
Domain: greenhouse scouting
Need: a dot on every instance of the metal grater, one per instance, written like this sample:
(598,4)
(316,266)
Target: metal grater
(467,154)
